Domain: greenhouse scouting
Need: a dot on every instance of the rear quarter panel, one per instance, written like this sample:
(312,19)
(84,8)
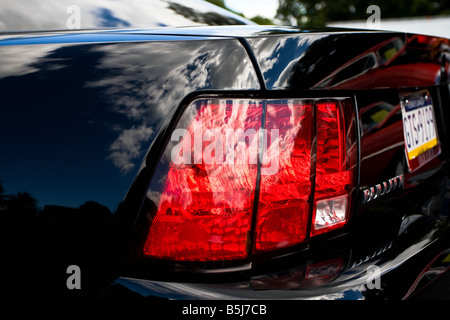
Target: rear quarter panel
(78,115)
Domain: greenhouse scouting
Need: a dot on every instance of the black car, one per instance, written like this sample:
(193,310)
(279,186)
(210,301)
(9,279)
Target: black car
(161,149)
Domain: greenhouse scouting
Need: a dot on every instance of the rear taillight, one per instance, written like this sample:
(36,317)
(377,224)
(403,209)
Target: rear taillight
(241,176)
(334,169)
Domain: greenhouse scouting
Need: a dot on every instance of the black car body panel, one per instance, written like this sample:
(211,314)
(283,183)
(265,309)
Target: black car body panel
(85,115)
(93,109)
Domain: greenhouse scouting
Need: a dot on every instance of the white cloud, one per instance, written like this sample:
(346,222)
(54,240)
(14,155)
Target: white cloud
(127,147)
(251,8)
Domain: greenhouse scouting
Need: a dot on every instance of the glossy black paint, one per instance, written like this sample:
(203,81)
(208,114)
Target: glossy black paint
(91,111)
(85,115)
(350,60)
(89,115)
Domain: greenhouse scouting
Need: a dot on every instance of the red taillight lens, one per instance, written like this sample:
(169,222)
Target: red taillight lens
(206,205)
(224,151)
(283,207)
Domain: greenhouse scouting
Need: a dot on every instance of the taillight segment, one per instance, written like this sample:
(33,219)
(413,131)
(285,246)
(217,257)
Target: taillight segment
(283,207)
(206,204)
(334,168)
(241,176)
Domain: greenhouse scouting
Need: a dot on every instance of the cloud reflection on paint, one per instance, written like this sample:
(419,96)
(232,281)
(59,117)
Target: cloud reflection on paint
(141,77)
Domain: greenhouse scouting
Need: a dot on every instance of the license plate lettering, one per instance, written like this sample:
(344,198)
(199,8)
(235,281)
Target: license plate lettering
(419,129)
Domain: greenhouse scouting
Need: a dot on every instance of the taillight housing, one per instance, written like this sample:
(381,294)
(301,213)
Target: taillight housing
(242,177)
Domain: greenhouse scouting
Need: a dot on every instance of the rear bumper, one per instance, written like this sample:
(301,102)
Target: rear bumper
(419,271)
